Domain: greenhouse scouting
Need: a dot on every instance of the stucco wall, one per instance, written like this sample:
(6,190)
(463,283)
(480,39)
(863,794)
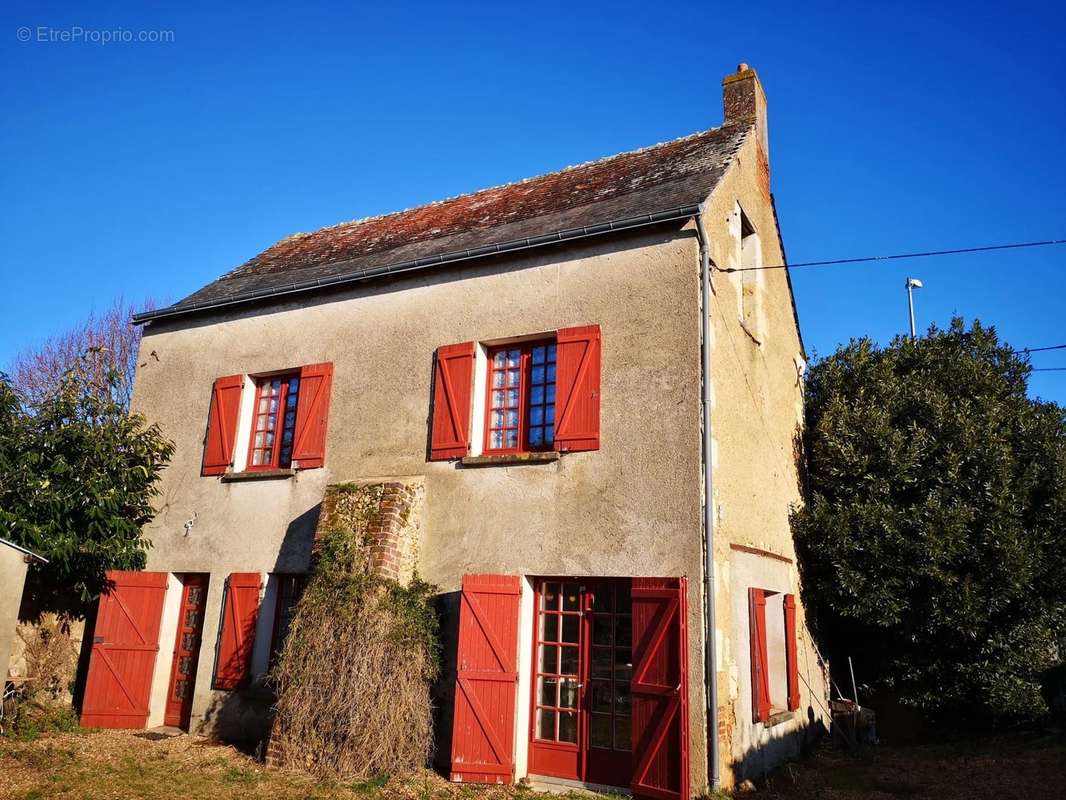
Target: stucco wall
(757,413)
(630,508)
(12,578)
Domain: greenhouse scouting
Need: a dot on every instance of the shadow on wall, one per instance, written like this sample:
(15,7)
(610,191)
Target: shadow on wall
(443,694)
(778,745)
(243,716)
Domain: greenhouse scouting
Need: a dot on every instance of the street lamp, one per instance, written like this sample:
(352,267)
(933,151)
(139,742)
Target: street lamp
(912,284)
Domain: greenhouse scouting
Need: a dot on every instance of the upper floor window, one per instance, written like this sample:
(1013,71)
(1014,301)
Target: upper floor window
(266,423)
(274,422)
(521,398)
(501,399)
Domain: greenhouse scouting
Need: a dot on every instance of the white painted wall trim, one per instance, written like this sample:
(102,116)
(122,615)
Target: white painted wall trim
(168,631)
(244,425)
(526,619)
(264,629)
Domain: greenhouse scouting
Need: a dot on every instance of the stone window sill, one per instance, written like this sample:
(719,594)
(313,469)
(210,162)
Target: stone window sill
(511,458)
(257,475)
(778,717)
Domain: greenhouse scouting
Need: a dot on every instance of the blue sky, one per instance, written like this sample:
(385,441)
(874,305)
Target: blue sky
(148,169)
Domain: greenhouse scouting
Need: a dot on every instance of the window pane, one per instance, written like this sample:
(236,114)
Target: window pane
(569,661)
(568,726)
(570,628)
(264,404)
(536,395)
(513,378)
(622,704)
(512,357)
(549,658)
(497,419)
(601,662)
(538,355)
(549,628)
(536,436)
(536,415)
(538,375)
(601,601)
(547,693)
(568,693)
(570,597)
(551,595)
(512,419)
(549,413)
(549,393)
(551,352)
(497,379)
(511,439)
(621,733)
(546,724)
(549,433)
(551,373)
(512,398)
(622,631)
(498,359)
(497,439)
(600,731)
(601,696)
(601,630)
(497,400)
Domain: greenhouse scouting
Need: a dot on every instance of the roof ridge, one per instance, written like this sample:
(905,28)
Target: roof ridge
(509,184)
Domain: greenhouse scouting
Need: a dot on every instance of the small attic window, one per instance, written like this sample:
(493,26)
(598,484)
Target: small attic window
(746,228)
(752,313)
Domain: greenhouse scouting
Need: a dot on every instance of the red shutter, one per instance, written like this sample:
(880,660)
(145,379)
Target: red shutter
(760,678)
(125,646)
(790,652)
(239,612)
(487,684)
(453,389)
(222,424)
(312,413)
(660,689)
(577,389)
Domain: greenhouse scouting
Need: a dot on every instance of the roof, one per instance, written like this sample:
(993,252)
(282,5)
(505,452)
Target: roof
(21,549)
(665,181)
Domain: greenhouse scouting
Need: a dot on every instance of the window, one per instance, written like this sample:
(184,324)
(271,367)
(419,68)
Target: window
(558,659)
(274,422)
(774,671)
(521,398)
(289,589)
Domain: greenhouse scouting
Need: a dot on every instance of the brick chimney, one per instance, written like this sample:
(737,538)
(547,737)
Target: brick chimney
(744,100)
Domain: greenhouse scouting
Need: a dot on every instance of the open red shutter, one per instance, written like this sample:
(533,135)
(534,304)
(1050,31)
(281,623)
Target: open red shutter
(660,689)
(790,652)
(760,678)
(487,680)
(239,611)
(222,424)
(577,389)
(453,389)
(312,413)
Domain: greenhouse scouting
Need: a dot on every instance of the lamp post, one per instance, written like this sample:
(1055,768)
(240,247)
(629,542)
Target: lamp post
(912,284)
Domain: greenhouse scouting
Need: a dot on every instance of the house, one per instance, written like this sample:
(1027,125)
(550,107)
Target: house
(552,378)
(14,563)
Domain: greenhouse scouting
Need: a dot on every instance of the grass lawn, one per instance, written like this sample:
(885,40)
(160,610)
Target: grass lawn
(113,764)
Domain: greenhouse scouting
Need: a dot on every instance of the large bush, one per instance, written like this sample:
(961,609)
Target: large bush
(77,477)
(933,543)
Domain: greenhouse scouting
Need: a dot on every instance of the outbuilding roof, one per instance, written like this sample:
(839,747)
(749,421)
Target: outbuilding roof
(665,181)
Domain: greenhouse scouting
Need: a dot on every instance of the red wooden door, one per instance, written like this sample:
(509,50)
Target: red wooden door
(487,680)
(125,645)
(186,651)
(660,689)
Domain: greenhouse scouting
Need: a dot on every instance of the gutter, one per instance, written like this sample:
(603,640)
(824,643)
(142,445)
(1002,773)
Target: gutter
(30,555)
(710,652)
(403,267)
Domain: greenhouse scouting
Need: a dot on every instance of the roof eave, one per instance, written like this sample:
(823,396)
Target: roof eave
(402,267)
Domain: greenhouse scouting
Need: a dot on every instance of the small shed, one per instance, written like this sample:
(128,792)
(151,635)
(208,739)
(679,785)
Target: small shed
(14,561)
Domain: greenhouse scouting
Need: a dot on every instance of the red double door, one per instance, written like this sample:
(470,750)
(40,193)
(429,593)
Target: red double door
(126,646)
(609,683)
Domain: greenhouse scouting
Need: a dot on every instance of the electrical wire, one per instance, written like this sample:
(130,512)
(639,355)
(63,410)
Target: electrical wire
(1039,349)
(896,256)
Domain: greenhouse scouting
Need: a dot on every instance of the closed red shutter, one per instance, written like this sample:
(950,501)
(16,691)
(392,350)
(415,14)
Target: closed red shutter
(660,689)
(577,385)
(790,652)
(453,389)
(312,414)
(760,678)
(222,424)
(487,680)
(239,612)
(125,646)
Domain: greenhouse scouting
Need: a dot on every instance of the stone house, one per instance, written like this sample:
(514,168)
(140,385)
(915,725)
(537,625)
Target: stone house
(580,419)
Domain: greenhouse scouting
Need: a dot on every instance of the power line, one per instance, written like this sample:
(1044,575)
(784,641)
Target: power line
(896,256)
(1048,369)
(1039,349)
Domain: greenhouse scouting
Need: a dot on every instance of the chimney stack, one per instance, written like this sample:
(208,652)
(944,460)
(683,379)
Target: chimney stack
(745,101)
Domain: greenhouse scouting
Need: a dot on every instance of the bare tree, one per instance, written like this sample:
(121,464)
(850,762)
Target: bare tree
(101,344)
